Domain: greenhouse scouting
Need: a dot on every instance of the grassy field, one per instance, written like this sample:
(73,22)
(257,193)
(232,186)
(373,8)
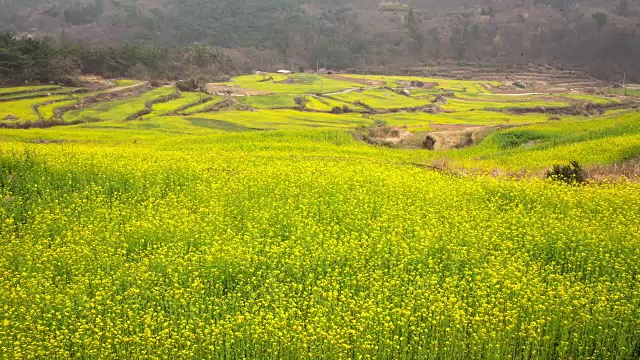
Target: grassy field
(627,92)
(277,234)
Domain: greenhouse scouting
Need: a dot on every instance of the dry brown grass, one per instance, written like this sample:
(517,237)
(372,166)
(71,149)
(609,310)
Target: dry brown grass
(384,135)
(629,169)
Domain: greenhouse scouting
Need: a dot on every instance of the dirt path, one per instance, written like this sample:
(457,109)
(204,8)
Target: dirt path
(346,91)
(122,88)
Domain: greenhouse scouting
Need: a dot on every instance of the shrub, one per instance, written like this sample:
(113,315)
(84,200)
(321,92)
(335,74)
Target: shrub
(188,85)
(380,122)
(570,174)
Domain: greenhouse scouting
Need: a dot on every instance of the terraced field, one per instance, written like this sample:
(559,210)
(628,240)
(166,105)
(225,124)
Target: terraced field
(119,109)
(380,99)
(158,224)
(293,84)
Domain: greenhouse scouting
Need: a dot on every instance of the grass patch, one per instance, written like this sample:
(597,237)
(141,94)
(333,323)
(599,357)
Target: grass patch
(515,138)
(126,82)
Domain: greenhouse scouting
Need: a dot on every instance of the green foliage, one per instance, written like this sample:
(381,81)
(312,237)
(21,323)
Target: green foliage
(488,11)
(562,5)
(601,20)
(156,62)
(81,14)
(29,60)
(192,84)
(570,174)
(43,61)
(622,8)
(515,138)
(225,22)
(413,28)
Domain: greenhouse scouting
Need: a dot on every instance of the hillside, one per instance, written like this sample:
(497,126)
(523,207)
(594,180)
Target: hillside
(600,35)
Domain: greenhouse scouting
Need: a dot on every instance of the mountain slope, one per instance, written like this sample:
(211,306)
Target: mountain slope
(603,35)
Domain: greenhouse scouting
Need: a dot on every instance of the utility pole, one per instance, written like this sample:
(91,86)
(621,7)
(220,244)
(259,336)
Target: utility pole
(363,78)
(624,78)
(317,66)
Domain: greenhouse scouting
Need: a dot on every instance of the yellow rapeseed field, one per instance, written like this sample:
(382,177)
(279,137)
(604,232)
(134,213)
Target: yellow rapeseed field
(136,243)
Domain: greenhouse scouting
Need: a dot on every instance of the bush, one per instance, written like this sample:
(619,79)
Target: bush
(188,85)
(379,122)
(570,174)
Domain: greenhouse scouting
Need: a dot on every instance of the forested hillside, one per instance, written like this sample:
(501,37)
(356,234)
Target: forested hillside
(601,35)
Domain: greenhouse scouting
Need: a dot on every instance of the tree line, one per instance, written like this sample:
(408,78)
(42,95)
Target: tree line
(24,60)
